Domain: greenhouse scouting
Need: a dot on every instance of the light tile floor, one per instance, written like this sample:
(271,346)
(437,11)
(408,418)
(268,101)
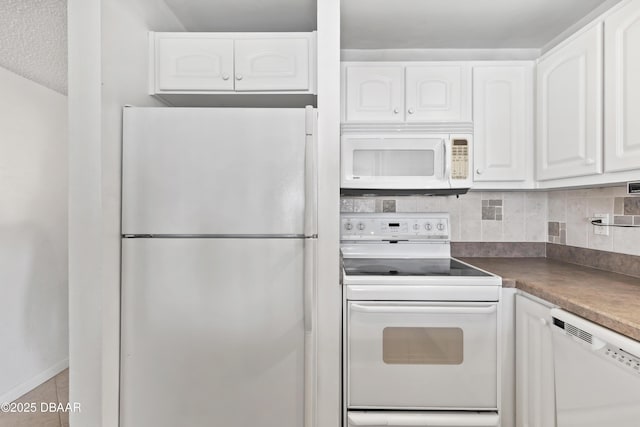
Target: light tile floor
(56,390)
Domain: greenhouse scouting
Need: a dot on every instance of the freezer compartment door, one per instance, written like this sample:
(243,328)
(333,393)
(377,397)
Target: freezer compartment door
(213,171)
(212,333)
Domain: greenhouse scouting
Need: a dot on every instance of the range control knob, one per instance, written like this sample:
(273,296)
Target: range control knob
(416,227)
(348,226)
(361,226)
(428,226)
(440,226)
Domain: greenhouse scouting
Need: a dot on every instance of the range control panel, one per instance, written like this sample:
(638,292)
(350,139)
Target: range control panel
(396,226)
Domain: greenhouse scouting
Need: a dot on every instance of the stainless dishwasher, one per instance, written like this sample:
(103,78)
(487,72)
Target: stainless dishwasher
(597,374)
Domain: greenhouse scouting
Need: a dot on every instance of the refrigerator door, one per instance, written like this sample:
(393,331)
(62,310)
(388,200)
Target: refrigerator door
(214,171)
(207,341)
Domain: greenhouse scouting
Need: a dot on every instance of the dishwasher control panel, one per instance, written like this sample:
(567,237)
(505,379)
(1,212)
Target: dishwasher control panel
(625,359)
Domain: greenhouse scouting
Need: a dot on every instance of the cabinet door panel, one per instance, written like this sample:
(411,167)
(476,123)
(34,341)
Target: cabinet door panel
(272,64)
(622,89)
(535,384)
(502,103)
(193,64)
(438,93)
(374,94)
(569,138)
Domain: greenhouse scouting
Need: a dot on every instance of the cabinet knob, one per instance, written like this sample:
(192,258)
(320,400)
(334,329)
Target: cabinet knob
(479,171)
(225,76)
(238,76)
(410,110)
(543,322)
(396,111)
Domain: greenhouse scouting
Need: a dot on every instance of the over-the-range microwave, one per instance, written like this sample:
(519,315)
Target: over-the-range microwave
(396,161)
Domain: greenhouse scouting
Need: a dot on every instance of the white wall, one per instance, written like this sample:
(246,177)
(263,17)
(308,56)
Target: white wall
(33,234)
(329,292)
(107,69)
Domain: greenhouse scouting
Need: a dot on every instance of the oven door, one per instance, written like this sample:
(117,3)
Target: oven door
(386,162)
(423,355)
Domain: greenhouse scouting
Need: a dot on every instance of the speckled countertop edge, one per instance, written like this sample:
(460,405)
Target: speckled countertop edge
(609,299)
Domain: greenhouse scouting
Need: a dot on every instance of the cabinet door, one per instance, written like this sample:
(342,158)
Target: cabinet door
(569,137)
(197,63)
(374,93)
(503,116)
(276,64)
(622,89)
(438,93)
(535,385)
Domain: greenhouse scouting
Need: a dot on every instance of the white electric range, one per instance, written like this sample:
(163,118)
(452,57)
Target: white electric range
(420,328)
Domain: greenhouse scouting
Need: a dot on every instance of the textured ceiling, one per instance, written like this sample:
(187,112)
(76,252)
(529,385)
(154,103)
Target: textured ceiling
(33,40)
(432,24)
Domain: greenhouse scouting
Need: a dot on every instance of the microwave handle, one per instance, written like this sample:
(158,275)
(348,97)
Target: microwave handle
(447,169)
(425,309)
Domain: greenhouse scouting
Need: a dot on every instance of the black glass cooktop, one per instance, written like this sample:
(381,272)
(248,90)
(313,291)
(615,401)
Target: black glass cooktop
(408,267)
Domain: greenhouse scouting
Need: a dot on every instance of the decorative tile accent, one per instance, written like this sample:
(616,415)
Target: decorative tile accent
(492,209)
(557,232)
(623,220)
(488,212)
(388,206)
(632,205)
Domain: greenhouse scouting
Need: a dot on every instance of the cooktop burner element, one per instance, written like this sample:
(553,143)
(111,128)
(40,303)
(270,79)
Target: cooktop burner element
(409,267)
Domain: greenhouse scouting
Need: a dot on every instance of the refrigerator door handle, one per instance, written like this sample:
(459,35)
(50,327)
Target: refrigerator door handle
(309,334)
(310,174)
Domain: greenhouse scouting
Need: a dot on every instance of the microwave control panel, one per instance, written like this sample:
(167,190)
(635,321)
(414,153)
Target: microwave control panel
(460,159)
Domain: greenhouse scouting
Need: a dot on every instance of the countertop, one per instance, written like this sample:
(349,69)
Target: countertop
(608,299)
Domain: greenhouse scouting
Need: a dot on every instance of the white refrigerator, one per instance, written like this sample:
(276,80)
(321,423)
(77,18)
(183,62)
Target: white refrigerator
(218,267)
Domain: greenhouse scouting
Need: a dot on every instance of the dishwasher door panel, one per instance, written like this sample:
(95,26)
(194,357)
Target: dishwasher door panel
(593,388)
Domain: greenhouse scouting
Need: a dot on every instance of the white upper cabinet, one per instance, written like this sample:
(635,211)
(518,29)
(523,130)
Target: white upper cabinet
(373,93)
(439,92)
(503,121)
(622,89)
(272,64)
(227,62)
(569,128)
(202,63)
(395,92)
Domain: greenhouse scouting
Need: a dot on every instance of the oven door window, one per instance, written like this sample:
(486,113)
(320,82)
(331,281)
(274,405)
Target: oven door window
(422,346)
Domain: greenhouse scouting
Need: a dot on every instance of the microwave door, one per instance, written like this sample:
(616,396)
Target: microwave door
(387,163)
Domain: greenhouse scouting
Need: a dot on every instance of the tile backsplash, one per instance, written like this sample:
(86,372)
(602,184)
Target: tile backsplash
(575,208)
(475,217)
(558,216)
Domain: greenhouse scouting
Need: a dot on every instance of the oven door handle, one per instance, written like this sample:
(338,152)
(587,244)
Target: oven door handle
(424,309)
(473,419)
